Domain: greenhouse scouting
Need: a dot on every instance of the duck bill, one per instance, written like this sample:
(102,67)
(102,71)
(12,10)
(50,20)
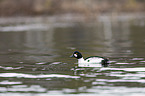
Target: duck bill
(72,56)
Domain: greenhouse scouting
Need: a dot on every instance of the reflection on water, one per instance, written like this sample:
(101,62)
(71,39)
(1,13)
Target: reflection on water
(34,56)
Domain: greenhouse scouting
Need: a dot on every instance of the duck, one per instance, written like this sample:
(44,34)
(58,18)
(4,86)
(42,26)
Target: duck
(92,61)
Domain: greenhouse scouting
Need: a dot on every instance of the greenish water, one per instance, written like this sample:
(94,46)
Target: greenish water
(34,56)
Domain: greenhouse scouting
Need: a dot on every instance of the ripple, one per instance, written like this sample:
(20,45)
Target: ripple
(117,91)
(128,76)
(20,75)
(23,88)
(140,69)
(122,63)
(27,27)
(134,69)
(137,59)
(56,63)
(118,80)
(10,68)
(72,48)
(40,63)
(140,81)
(6,82)
(142,61)
(112,61)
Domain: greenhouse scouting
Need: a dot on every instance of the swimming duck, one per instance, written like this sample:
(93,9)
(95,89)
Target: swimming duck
(92,61)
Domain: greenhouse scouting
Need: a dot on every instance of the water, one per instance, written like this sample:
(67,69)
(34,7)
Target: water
(34,56)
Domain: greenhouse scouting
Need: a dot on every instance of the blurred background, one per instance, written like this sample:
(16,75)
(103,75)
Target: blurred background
(38,36)
(85,7)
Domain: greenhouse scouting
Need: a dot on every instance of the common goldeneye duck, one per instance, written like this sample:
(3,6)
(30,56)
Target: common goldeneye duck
(92,61)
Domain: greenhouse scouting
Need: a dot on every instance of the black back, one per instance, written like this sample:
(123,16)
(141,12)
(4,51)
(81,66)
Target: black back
(105,62)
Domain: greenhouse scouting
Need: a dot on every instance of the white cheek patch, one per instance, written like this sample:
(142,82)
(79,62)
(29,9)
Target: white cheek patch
(75,55)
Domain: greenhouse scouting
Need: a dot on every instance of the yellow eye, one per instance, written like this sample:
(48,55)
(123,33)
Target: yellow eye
(76,53)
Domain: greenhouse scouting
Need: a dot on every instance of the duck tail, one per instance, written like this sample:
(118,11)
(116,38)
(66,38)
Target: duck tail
(105,62)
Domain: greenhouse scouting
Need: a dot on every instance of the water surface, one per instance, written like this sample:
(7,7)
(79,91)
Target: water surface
(34,56)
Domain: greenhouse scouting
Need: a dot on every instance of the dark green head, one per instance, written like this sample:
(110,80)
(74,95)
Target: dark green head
(77,55)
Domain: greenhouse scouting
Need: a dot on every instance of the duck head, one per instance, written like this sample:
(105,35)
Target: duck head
(77,55)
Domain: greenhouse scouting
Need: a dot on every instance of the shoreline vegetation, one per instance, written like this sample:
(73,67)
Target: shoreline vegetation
(10,8)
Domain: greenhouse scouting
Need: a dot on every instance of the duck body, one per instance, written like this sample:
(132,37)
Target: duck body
(92,61)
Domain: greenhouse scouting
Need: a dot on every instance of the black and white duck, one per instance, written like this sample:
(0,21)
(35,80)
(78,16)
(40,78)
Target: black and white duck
(92,61)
